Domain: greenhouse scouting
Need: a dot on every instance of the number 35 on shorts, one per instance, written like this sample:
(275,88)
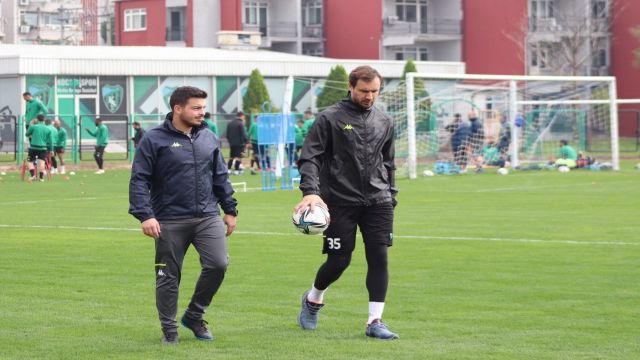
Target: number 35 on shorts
(333,243)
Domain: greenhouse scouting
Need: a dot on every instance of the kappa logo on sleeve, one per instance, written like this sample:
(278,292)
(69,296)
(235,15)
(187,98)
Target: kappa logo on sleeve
(348,127)
(176,145)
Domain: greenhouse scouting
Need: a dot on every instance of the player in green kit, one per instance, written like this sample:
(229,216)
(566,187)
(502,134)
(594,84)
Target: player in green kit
(101,134)
(51,164)
(34,108)
(39,135)
(210,124)
(60,144)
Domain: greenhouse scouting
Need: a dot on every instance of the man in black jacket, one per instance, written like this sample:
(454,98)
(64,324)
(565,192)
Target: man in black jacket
(138,132)
(237,137)
(178,179)
(348,161)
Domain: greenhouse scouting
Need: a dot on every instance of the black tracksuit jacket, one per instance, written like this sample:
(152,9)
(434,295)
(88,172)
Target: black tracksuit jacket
(348,156)
(175,176)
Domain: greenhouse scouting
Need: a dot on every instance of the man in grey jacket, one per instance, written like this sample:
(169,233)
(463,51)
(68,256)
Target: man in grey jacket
(347,161)
(178,179)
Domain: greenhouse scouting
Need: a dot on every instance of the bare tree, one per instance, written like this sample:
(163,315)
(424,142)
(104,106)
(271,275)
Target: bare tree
(569,40)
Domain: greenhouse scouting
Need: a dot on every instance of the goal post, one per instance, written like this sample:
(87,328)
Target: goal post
(531,114)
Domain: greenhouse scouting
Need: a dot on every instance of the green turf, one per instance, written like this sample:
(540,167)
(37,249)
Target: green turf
(533,265)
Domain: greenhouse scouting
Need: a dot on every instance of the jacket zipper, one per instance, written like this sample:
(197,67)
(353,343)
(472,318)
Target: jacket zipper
(195,170)
(366,162)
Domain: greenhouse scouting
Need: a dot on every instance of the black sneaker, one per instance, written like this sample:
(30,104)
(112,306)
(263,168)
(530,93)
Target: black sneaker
(199,328)
(169,337)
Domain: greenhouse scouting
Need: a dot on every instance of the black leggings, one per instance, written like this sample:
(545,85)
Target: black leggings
(377,270)
(98,156)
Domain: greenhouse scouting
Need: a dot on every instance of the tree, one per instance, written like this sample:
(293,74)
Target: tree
(256,95)
(422,98)
(565,41)
(335,87)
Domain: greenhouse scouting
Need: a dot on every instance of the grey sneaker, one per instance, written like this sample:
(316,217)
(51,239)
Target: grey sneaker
(308,318)
(169,337)
(199,328)
(377,329)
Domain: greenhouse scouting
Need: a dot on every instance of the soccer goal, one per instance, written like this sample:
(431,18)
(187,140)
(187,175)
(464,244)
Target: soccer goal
(523,117)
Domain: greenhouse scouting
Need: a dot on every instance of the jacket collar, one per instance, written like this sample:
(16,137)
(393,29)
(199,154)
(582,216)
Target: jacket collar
(168,124)
(350,105)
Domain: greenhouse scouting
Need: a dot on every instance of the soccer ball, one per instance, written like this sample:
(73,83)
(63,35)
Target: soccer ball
(564,169)
(312,223)
(427,173)
(503,171)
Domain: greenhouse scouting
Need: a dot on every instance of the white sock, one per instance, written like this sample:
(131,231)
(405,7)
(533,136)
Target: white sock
(375,311)
(316,296)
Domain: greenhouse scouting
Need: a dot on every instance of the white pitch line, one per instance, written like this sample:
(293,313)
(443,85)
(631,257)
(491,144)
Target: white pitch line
(30,202)
(422,237)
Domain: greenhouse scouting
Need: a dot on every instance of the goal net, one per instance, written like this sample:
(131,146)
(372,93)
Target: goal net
(489,120)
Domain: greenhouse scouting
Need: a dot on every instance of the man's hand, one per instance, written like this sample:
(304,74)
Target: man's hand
(230,221)
(309,200)
(151,227)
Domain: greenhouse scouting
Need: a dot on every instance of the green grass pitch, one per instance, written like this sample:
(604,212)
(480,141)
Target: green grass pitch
(533,265)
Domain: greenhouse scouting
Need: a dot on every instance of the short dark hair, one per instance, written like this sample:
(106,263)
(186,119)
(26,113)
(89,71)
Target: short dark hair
(207,115)
(47,121)
(308,111)
(239,114)
(98,119)
(182,95)
(136,123)
(40,117)
(26,93)
(563,142)
(366,73)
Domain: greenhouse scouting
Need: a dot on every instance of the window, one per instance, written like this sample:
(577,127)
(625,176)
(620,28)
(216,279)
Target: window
(51,19)
(29,18)
(253,12)
(414,53)
(407,10)
(135,19)
(534,55)
(255,15)
(176,23)
(542,9)
(312,13)
(544,55)
(599,58)
(598,9)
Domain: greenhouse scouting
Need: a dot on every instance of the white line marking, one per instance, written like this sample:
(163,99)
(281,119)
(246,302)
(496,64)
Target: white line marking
(422,237)
(30,202)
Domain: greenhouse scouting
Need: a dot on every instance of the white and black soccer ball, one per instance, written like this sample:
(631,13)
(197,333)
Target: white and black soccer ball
(427,173)
(503,171)
(312,223)
(564,169)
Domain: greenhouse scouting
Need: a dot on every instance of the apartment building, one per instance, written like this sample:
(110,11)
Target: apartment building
(536,37)
(59,22)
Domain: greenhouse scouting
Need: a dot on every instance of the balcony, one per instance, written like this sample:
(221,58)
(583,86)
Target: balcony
(400,33)
(435,27)
(315,32)
(175,34)
(600,71)
(569,25)
(278,29)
